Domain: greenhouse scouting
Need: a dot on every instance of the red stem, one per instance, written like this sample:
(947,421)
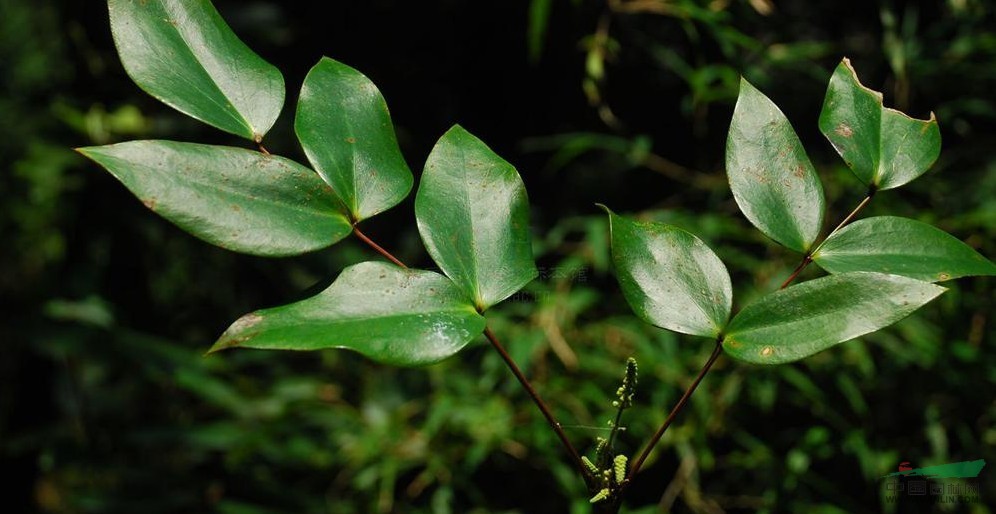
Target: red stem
(808,258)
(677,408)
(387,255)
(554,424)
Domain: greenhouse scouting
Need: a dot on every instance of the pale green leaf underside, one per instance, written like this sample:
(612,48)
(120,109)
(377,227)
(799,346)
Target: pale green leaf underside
(183,53)
(772,179)
(345,129)
(901,246)
(670,278)
(807,318)
(884,147)
(237,199)
(391,315)
(473,215)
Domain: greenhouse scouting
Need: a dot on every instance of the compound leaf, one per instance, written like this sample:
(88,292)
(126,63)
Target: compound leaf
(900,246)
(183,53)
(392,315)
(772,179)
(807,318)
(473,215)
(344,126)
(884,147)
(670,278)
(238,199)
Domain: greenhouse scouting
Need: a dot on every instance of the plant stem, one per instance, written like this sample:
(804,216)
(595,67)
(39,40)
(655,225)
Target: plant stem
(850,217)
(614,431)
(387,255)
(554,424)
(808,258)
(674,412)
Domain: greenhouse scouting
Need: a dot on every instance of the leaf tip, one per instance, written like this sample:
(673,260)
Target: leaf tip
(846,62)
(747,86)
(219,345)
(238,333)
(457,130)
(84,151)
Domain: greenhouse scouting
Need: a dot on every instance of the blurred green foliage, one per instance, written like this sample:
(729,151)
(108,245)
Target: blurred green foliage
(108,406)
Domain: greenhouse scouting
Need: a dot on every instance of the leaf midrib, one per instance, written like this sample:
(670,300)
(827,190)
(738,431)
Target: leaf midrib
(796,319)
(240,193)
(457,310)
(474,254)
(172,10)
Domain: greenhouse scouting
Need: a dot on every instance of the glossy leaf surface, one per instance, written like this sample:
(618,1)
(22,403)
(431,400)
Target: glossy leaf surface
(670,278)
(237,199)
(392,315)
(473,215)
(900,246)
(884,147)
(772,179)
(804,319)
(344,126)
(183,53)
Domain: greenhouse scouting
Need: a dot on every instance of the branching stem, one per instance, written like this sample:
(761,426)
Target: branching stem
(808,258)
(496,344)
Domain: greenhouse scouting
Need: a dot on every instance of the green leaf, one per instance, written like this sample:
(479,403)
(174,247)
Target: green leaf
(183,53)
(238,199)
(884,147)
(807,318)
(670,278)
(344,126)
(473,215)
(900,246)
(772,179)
(392,315)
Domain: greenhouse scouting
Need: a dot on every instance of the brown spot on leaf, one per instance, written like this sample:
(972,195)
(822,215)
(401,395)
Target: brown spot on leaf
(238,333)
(943,276)
(350,139)
(767,351)
(245,322)
(799,171)
(844,130)
(150,203)
(756,174)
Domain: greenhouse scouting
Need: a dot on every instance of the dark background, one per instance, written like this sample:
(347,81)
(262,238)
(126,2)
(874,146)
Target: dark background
(107,405)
